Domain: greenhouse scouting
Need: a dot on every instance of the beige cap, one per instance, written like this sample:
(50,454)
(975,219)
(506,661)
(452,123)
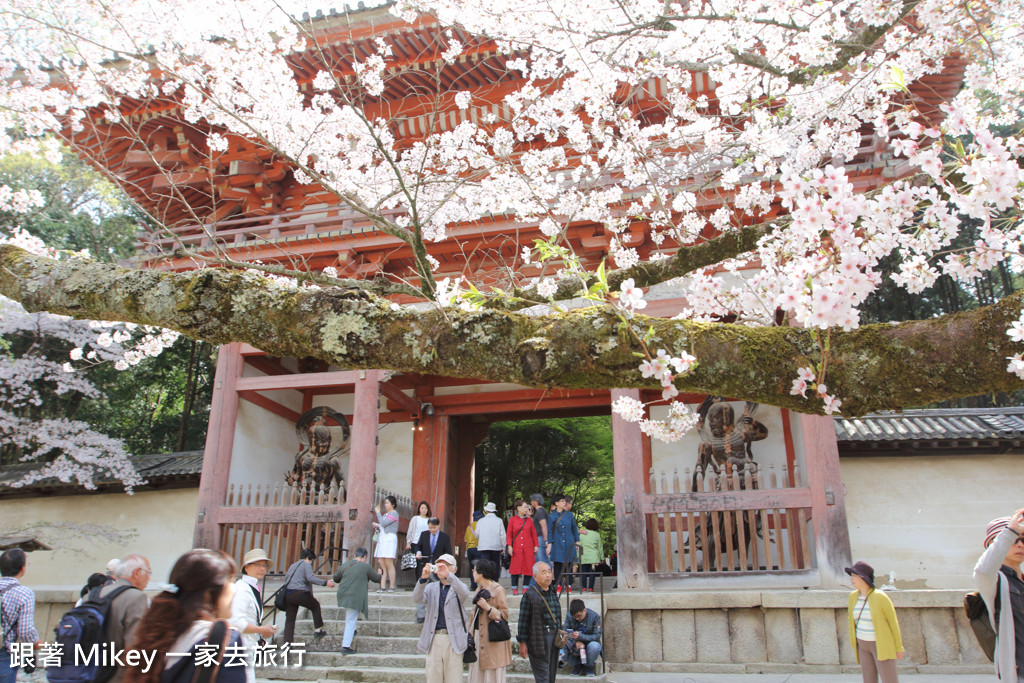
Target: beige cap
(254,555)
(448,560)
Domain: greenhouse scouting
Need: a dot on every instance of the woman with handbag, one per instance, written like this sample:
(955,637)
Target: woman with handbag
(298,592)
(417,525)
(522,545)
(387,542)
(874,630)
(490,621)
(192,610)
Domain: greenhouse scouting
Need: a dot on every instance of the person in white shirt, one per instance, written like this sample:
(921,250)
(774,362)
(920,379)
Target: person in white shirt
(491,532)
(247,607)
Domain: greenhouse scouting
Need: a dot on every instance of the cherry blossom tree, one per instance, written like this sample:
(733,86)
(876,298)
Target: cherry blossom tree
(35,349)
(735,135)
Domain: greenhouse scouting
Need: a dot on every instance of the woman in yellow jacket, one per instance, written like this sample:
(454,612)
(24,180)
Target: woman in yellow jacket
(873,627)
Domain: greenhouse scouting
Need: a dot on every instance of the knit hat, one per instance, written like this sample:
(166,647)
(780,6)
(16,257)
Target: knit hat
(993,529)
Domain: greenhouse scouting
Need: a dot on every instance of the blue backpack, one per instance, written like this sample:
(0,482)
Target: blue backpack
(83,627)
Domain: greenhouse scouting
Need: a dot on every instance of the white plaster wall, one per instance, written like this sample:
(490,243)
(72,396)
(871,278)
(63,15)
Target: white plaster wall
(265,444)
(924,517)
(163,522)
(264,448)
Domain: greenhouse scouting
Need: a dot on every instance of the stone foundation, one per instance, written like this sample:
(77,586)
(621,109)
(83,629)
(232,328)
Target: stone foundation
(778,631)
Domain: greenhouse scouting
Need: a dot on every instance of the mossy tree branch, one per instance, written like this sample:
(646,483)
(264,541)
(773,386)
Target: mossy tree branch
(872,368)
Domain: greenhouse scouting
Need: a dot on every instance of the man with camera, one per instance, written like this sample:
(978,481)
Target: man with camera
(444,634)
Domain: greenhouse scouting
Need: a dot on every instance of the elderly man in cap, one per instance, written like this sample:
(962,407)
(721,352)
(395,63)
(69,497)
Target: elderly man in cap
(247,607)
(491,532)
(443,639)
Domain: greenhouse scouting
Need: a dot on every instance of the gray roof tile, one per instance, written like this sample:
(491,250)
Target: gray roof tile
(947,424)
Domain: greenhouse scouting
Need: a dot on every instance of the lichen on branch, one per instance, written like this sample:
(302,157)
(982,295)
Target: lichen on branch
(873,367)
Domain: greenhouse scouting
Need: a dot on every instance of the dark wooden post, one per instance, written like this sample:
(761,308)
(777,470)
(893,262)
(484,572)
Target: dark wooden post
(362,464)
(828,504)
(627,441)
(220,439)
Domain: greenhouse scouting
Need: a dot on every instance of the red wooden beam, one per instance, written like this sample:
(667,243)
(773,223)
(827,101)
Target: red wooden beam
(290,513)
(268,365)
(711,501)
(395,394)
(269,404)
(301,381)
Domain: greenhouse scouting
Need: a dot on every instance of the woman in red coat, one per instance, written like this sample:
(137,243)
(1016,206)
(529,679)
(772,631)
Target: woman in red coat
(522,545)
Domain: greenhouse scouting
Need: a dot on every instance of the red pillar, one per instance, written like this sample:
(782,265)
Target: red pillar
(466,440)
(627,442)
(220,439)
(423,464)
(441,474)
(362,464)
(828,504)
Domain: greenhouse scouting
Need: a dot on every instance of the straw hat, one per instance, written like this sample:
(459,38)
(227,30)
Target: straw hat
(254,555)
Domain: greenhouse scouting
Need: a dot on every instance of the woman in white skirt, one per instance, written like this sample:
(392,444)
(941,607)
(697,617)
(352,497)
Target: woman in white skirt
(387,542)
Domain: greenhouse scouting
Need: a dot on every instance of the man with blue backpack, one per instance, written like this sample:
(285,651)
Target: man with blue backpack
(105,621)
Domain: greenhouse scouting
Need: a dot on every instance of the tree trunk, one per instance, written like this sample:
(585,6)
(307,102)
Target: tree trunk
(884,366)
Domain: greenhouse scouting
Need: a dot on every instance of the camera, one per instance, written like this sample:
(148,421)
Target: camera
(433,568)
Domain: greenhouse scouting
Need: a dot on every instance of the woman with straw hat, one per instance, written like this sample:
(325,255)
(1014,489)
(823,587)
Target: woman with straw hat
(247,607)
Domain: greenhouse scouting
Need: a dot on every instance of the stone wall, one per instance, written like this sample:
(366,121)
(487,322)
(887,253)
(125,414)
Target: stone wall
(778,631)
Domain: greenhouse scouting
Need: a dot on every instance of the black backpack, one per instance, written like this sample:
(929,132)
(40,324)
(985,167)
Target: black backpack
(83,628)
(977,614)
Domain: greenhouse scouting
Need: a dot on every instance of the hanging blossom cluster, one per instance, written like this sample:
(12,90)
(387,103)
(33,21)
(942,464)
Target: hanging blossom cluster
(665,121)
(66,450)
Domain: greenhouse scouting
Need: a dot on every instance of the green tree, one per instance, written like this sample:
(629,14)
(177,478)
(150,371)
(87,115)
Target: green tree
(159,405)
(565,455)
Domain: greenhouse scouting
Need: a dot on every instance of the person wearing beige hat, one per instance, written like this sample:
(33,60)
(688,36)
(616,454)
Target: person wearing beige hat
(443,638)
(247,607)
(998,577)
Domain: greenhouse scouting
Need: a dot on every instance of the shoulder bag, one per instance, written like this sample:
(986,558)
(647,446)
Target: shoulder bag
(469,656)
(561,635)
(279,602)
(220,634)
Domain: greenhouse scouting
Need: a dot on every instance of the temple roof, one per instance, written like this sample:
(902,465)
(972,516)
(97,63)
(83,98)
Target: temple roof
(928,430)
(160,470)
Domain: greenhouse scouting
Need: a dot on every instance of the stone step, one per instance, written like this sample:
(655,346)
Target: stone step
(332,660)
(394,674)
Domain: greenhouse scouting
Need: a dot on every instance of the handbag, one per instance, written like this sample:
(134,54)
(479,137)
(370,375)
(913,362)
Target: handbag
(409,561)
(279,598)
(469,656)
(499,631)
(561,636)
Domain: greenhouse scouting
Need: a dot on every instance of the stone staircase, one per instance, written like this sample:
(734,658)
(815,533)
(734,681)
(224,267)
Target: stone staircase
(385,644)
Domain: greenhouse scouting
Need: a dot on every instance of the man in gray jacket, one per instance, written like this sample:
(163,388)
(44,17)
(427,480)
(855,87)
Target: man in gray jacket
(127,608)
(443,639)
